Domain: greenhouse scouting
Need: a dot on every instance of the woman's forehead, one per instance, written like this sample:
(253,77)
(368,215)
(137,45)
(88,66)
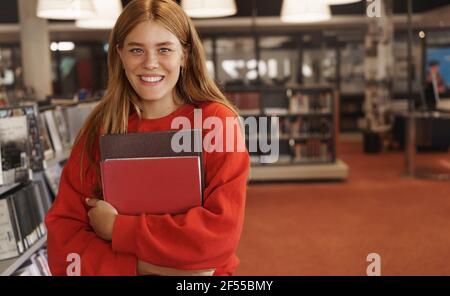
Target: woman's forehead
(151,33)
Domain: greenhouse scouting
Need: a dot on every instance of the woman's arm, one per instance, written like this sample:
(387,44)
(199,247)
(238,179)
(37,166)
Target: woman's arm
(70,236)
(204,237)
(194,242)
(102,216)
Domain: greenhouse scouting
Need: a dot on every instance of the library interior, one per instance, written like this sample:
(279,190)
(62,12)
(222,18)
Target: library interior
(344,109)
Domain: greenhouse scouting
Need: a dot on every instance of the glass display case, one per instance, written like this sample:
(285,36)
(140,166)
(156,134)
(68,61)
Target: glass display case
(352,69)
(236,62)
(279,60)
(319,66)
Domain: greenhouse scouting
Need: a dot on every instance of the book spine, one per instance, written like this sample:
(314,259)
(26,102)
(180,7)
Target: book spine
(21,210)
(43,260)
(54,135)
(19,238)
(8,246)
(33,212)
(15,224)
(40,207)
(1,164)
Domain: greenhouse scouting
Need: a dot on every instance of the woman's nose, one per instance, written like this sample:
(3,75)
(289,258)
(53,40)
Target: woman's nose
(151,60)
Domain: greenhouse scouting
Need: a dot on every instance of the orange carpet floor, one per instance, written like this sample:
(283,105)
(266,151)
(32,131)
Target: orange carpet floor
(330,228)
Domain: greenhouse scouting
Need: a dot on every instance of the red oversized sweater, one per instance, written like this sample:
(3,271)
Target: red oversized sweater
(204,237)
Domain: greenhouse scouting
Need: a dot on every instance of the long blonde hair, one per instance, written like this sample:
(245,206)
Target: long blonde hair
(194,85)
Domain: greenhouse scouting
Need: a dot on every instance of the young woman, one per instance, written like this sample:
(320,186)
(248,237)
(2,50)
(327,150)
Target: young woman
(157,72)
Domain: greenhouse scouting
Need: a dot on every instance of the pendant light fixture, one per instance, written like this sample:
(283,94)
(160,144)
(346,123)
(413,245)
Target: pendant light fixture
(209,8)
(65,9)
(339,2)
(305,11)
(106,14)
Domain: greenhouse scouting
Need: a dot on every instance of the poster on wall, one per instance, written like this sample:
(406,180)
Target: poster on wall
(438,64)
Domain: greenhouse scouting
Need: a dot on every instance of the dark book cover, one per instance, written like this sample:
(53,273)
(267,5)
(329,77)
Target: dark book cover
(155,150)
(151,144)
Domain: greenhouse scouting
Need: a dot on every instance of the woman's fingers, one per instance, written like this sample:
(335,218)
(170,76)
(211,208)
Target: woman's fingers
(92,202)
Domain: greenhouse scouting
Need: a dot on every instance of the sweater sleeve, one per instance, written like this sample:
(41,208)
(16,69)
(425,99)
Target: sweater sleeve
(69,231)
(203,237)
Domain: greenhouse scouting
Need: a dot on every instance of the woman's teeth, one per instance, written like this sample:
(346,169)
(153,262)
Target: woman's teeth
(152,79)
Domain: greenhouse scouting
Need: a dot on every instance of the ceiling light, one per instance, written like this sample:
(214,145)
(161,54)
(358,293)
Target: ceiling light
(209,8)
(106,14)
(305,11)
(62,46)
(65,9)
(338,2)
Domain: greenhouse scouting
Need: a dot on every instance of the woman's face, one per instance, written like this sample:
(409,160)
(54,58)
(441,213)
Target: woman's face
(152,57)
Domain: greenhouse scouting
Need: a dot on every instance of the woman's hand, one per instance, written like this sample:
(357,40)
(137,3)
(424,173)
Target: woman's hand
(102,216)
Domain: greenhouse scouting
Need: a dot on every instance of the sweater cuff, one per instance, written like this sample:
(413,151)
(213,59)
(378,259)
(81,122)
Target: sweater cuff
(129,263)
(124,234)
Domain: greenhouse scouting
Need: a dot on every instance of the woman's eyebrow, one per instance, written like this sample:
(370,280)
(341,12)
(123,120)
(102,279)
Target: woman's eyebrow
(165,43)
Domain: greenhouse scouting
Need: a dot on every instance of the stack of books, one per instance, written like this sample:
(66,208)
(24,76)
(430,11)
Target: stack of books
(145,173)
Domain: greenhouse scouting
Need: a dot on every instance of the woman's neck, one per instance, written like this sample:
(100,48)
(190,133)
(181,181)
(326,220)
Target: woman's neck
(159,108)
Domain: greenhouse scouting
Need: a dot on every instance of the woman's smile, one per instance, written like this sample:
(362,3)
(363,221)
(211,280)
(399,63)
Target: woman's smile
(151,80)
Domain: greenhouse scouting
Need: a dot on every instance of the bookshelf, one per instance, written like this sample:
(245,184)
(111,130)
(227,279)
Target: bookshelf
(307,134)
(45,146)
(9,266)
(351,107)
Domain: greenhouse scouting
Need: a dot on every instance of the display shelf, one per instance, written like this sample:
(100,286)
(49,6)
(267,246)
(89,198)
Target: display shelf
(9,266)
(6,188)
(310,114)
(294,172)
(309,121)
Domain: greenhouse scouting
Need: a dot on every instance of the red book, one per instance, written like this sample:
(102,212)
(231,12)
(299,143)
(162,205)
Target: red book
(152,185)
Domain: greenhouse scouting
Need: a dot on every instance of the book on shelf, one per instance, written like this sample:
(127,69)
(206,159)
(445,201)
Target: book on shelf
(39,261)
(30,111)
(62,128)
(22,213)
(14,150)
(276,111)
(141,173)
(312,151)
(45,138)
(34,136)
(75,116)
(301,103)
(248,103)
(37,265)
(52,175)
(55,137)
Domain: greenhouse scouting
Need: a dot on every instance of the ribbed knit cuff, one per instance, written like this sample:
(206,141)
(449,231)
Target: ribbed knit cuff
(124,234)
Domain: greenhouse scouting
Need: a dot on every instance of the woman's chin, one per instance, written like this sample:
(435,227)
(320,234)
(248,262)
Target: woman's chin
(149,99)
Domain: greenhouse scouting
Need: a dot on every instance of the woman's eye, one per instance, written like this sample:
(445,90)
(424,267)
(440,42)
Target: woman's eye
(165,50)
(136,50)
